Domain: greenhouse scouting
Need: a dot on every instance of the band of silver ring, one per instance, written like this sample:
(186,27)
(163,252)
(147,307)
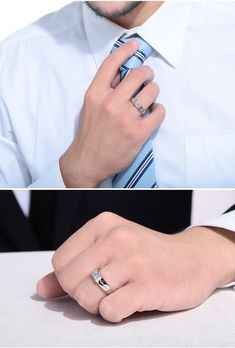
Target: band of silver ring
(138,106)
(97,277)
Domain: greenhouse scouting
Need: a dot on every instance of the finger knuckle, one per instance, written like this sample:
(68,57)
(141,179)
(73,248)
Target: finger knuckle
(65,282)
(104,216)
(108,312)
(161,111)
(57,261)
(148,70)
(90,96)
(130,129)
(120,235)
(155,88)
(143,73)
(138,73)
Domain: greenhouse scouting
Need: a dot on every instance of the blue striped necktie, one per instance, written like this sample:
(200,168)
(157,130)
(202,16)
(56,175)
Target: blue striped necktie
(140,173)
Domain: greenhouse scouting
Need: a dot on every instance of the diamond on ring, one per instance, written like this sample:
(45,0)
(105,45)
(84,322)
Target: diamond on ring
(97,277)
(138,106)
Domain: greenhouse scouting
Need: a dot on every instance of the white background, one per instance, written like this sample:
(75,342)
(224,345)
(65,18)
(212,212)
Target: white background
(15,14)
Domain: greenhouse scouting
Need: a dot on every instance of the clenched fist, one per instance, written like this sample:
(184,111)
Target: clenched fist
(146,270)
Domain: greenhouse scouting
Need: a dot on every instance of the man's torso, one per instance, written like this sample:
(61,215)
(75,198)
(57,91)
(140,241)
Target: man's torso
(46,69)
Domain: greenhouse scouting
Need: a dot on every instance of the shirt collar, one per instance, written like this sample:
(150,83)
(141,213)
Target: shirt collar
(164,31)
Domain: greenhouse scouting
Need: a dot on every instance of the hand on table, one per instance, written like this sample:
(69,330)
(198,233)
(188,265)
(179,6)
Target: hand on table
(146,270)
(111,130)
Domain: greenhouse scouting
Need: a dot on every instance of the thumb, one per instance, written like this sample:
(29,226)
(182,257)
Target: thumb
(48,287)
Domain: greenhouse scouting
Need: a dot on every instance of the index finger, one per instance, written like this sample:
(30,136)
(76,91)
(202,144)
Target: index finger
(109,68)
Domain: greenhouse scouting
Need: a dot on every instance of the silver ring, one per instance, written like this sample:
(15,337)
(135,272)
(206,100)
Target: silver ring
(138,106)
(97,277)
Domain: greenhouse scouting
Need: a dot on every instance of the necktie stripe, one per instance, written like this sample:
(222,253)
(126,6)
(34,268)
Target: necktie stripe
(140,55)
(140,170)
(141,59)
(127,72)
(124,71)
(124,68)
(119,42)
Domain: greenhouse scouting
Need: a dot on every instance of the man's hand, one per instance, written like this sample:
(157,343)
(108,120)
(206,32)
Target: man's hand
(111,130)
(146,270)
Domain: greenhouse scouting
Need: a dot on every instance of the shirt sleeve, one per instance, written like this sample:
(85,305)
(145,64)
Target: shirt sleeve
(51,179)
(226,221)
(14,171)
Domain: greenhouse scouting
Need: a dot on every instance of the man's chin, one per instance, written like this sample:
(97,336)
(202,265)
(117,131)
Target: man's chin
(112,9)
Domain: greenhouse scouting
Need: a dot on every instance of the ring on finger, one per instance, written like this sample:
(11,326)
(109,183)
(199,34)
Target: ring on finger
(97,277)
(138,106)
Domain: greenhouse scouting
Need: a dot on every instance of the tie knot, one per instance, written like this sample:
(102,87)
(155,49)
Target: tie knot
(144,50)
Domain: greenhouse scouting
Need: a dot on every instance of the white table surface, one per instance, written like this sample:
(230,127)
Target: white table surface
(27,321)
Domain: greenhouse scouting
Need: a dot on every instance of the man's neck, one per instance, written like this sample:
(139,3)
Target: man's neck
(139,15)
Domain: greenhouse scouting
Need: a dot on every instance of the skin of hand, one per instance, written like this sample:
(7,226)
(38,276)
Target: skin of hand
(111,130)
(145,269)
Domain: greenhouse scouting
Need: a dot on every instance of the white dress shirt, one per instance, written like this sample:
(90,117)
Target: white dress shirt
(24,201)
(46,68)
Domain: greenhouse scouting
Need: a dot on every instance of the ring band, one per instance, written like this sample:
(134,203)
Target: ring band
(97,277)
(138,106)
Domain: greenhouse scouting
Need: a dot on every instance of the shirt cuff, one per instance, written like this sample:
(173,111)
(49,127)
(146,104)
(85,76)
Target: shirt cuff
(226,221)
(51,179)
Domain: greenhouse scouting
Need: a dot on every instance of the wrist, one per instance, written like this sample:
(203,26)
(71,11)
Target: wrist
(216,252)
(226,239)
(74,174)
